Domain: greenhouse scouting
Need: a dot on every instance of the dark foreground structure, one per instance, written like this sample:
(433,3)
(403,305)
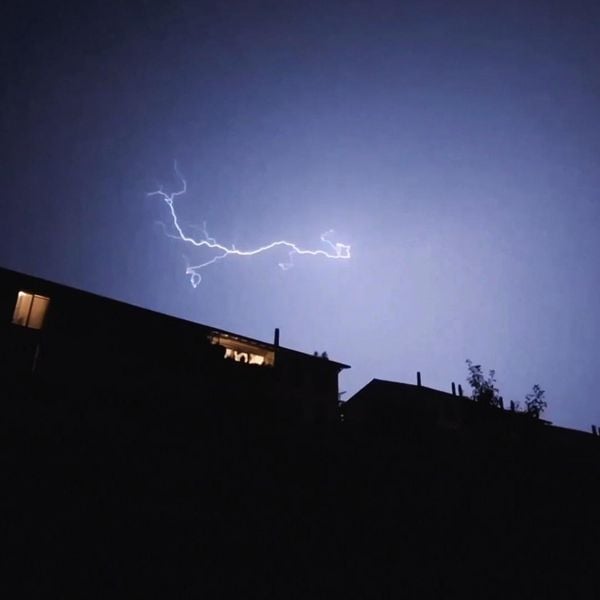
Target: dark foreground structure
(147,457)
(86,349)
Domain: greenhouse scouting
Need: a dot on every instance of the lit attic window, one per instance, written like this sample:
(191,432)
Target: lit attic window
(30,310)
(243,350)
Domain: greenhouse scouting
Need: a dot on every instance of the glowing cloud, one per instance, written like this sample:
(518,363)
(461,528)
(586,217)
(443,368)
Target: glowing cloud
(335,251)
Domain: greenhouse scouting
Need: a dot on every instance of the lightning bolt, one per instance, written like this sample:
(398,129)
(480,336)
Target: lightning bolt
(335,250)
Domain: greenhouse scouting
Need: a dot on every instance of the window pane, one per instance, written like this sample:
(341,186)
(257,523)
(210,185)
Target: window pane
(38,312)
(22,308)
(244,350)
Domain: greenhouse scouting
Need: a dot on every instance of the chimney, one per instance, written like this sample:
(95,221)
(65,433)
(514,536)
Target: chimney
(512,406)
(453,389)
(419,378)
(594,430)
(460,392)
(276,338)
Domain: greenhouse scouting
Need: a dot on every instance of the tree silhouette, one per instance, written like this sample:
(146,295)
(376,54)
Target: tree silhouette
(485,391)
(484,388)
(535,403)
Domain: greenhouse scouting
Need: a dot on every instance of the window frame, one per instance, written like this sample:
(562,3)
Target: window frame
(27,317)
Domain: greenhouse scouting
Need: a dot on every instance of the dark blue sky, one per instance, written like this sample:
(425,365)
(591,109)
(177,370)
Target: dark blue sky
(455,146)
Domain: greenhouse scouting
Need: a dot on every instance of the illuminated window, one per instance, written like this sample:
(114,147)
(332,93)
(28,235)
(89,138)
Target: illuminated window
(30,310)
(246,357)
(243,350)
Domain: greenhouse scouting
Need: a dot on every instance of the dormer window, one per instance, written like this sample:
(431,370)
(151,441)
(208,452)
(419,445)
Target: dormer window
(30,310)
(243,350)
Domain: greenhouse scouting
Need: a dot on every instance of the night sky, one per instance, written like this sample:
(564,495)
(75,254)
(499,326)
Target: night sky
(454,146)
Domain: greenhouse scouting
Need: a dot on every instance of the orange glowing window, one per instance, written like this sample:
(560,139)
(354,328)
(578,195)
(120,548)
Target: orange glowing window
(30,310)
(243,350)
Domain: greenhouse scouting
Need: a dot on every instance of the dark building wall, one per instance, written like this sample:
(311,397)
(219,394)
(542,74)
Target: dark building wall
(402,406)
(400,409)
(91,346)
(344,509)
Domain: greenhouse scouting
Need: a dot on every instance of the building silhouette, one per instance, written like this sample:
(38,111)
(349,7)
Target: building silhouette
(146,456)
(401,409)
(81,347)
